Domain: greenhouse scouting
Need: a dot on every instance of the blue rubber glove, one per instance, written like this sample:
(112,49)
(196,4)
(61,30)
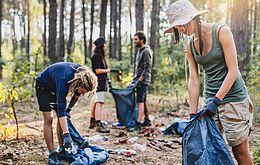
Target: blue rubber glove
(134,83)
(67,141)
(109,82)
(211,107)
(68,114)
(192,115)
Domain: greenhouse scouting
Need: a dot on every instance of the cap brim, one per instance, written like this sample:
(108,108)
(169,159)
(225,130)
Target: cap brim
(183,22)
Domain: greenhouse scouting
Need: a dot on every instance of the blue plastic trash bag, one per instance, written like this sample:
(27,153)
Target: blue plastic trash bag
(85,153)
(176,128)
(202,143)
(126,110)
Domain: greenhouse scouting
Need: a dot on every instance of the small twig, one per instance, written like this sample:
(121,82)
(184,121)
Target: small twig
(176,141)
(128,159)
(16,120)
(154,147)
(32,127)
(4,162)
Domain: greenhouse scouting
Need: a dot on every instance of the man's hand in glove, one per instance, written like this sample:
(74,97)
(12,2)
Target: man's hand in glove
(67,141)
(134,83)
(192,115)
(211,107)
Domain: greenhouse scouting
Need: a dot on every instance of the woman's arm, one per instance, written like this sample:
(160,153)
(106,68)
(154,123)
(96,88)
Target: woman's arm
(102,71)
(194,82)
(230,54)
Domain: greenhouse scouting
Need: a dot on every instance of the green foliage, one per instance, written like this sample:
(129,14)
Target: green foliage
(23,78)
(18,87)
(256,154)
(169,70)
(253,83)
(8,96)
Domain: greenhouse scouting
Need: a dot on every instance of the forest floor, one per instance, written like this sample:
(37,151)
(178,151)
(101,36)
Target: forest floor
(159,149)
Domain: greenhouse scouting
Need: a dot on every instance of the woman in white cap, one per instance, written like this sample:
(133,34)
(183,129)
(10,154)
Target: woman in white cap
(212,46)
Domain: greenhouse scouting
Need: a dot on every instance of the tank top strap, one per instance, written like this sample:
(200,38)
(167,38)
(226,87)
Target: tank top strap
(215,32)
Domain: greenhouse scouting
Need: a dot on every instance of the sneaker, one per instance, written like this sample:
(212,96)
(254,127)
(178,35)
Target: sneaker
(53,158)
(102,128)
(92,123)
(64,156)
(146,123)
(137,127)
(117,125)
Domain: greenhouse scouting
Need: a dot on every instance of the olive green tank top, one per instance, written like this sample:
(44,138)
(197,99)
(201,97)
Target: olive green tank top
(215,71)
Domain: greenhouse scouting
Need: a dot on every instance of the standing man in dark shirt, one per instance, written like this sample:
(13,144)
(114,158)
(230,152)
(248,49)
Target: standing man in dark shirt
(143,71)
(52,87)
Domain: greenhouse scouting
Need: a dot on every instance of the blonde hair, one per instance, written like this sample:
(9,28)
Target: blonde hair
(83,77)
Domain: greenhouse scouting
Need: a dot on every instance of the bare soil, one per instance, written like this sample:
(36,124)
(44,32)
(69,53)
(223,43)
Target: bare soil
(160,149)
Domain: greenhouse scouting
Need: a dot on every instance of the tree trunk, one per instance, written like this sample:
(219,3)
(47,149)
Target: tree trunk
(139,18)
(44,30)
(13,28)
(154,28)
(61,52)
(111,27)
(241,32)
(229,8)
(28,51)
(91,26)
(84,31)
(119,31)
(1,60)
(52,31)
(131,22)
(23,25)
(139,15)
(72,25)
(115,17)
(154,25)
(255,26)
(103,18)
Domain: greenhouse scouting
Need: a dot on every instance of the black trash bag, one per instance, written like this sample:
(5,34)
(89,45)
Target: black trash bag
(126,109)
(176,128)
(202,143)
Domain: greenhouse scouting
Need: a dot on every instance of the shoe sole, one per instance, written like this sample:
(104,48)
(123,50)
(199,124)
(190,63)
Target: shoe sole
(148,125)
(118,127)
(103,131)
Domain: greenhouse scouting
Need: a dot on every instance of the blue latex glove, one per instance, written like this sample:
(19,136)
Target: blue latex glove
(68,114)
(134,83)
(211,107)
(138,84)
(192,116)
(67,141)
(109,83)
